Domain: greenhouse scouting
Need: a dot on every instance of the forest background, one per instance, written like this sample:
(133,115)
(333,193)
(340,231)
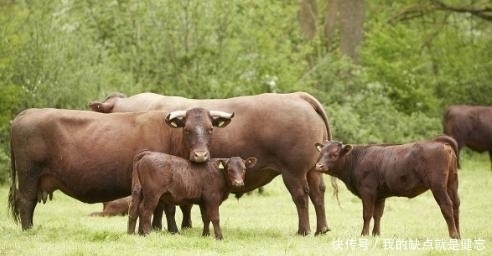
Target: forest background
(384,70)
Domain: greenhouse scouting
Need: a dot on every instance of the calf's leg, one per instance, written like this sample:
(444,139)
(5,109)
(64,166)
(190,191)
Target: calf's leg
(146,209)
(206,220)
(378,213)
(367,213)
(446,205)
(213,215)
(453,194)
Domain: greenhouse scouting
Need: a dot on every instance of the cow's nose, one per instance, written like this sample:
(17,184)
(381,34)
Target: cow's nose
(200,156)
(238,183)
(319,166)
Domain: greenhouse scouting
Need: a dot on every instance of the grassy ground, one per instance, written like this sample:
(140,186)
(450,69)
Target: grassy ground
(266,225)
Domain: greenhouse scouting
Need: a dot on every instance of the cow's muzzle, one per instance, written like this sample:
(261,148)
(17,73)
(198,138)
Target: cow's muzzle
(320,167)
(237,183)
(200,156)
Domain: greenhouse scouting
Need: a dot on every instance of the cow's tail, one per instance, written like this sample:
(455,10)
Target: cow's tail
(318,107)
(452,142)
(14,211)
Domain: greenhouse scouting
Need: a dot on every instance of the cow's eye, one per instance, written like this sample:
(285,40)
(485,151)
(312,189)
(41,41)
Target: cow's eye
(210,130)
(186,131)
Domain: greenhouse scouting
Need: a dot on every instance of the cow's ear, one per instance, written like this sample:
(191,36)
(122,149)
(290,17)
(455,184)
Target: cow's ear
(103,107)
(175,119)
(345,149)
(221,119)
(318,146)
(250,162)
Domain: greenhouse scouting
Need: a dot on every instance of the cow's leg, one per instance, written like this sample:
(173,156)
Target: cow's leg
(157,217)
(490,158)
(440,194)
(170,210)
(299,190)
(378,213)
(367,213)
(205,219)
(26,205)
(317,194)
(453,194)
(186,210)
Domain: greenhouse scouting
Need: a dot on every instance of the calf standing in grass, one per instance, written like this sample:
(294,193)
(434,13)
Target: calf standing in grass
(375,172)
(161,178)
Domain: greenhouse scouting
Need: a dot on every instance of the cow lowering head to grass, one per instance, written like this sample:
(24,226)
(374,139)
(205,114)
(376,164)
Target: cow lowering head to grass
(375,172)
(89,155)
(160,178)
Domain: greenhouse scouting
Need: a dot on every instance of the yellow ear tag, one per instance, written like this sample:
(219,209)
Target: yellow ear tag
(174,124)
(221,166)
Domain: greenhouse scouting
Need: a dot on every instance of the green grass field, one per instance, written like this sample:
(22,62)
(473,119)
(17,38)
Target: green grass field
(266,225)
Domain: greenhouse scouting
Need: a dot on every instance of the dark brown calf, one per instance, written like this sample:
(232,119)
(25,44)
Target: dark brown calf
(160,178)
(375,172)
(114,208)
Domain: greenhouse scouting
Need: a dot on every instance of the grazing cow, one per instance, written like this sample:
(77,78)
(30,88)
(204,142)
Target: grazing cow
(280,129)
(88,155)
(162,178)
(470,126)
(114,208)
(375,172)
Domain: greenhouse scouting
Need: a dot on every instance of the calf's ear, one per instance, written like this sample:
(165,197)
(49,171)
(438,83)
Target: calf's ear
(345,149)
(250,162)
(318,146)
(220,164)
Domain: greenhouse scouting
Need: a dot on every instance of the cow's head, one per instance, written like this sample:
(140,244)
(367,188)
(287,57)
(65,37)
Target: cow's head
(107,105)
(330,153)
(197,124)
(235,169)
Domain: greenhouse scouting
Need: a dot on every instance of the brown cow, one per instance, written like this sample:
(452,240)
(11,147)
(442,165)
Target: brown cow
(375,172)
(280,129)
(470,126)
(162,178)
(114,208)
(88,155)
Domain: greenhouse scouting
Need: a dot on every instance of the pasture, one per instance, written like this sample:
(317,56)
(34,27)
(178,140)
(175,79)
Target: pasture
(266,225)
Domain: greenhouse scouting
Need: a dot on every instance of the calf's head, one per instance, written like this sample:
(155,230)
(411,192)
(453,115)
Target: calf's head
(235,169)
(331,152)
(197,124)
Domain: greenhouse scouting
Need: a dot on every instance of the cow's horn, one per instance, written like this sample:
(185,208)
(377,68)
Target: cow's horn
(175,114)
(221,114)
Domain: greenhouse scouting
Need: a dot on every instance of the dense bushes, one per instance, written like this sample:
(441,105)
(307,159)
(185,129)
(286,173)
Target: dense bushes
(64,54)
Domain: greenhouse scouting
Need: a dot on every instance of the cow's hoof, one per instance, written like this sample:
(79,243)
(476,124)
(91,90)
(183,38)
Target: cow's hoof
(303,232)
(322,231)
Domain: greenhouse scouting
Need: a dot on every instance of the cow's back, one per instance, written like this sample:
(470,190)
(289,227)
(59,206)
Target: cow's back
(470,126)
(280,129)
(67,147)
